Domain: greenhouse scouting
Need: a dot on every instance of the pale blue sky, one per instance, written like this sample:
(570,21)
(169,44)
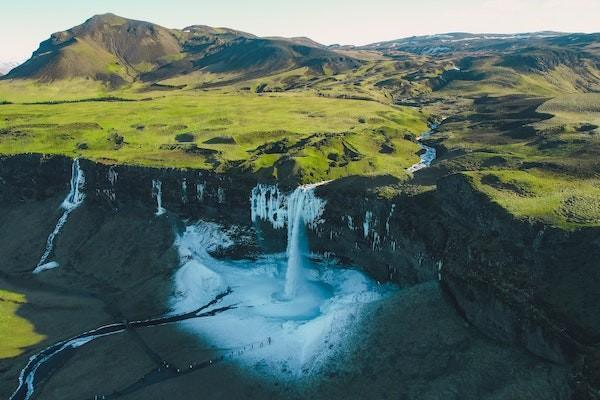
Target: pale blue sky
(24,23)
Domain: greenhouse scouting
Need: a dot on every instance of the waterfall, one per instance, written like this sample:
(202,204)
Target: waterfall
(268,203)
(200,188)
(303,208)
(157,193)
(73,200)
(112,175)
(297,209)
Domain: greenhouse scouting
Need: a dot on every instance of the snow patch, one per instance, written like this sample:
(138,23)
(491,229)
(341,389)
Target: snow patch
(273,336)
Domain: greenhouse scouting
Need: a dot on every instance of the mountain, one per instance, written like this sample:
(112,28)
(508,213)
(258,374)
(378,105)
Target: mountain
(105,47)
(118,50)
(454,42)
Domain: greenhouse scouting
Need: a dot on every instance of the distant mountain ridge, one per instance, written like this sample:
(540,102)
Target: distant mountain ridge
(119,50)
(455,42)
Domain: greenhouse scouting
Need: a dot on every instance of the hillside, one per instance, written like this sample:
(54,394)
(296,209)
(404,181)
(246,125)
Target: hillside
(106,47)
(116,50)
(293,109)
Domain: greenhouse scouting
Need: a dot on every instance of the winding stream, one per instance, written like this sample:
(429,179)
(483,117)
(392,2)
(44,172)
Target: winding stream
(41,365)
(429,154)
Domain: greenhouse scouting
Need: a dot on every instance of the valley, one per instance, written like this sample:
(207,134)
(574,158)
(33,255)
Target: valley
(412,219)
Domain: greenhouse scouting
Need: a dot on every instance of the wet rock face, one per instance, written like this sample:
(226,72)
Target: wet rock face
(188,193)
(28,178)
(517,281)
(386,237)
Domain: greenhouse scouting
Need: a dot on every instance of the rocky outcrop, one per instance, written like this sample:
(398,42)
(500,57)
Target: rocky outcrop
(518,281)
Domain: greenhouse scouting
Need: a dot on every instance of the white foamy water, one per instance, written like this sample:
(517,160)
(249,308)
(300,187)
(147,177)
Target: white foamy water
(297,209)
(157,194)
(27,376)
(428,156)
(272,333)
(73,200)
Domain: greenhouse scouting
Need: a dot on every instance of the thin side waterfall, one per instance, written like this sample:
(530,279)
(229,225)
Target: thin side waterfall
(157,193)
(297,209)
(73,200)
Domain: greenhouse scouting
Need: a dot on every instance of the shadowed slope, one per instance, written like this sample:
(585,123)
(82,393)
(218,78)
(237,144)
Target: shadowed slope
(117,50)
(105,47)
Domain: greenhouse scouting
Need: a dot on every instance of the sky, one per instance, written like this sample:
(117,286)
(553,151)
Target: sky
(25,23)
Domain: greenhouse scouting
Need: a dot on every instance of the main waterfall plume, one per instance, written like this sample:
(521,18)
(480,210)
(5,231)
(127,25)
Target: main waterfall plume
(297,209)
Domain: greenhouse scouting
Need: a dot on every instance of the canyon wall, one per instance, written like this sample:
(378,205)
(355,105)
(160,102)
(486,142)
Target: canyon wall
(518,281)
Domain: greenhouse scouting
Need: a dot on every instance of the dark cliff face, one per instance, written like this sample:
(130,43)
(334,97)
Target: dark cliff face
(517,281)
(188,193)
(388,237)
(543,276)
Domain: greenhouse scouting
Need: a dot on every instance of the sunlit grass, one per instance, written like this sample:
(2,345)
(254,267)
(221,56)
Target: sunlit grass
(149,129)
(16,333)
(554,199)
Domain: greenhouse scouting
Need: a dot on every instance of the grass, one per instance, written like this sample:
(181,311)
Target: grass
(557,200)
(329,125)
(149,129)
(16,333)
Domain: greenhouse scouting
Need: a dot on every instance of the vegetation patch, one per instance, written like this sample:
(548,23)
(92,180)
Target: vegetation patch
(518,187)
(582,209)
(185,138)
(555,199)
(16,333)
(220,140)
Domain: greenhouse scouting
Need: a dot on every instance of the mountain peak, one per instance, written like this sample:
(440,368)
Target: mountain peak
(117,50)
(107,18)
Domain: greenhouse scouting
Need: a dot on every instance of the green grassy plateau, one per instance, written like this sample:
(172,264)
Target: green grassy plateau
(325,137)
(523,121)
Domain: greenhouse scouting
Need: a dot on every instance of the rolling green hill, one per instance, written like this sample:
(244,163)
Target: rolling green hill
(519,112)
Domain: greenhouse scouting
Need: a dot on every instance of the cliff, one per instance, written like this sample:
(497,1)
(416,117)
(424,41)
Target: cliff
(517,281)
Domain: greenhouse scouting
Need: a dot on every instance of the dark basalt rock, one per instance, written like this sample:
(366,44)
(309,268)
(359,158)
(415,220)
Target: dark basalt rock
(517,281)
(220,140)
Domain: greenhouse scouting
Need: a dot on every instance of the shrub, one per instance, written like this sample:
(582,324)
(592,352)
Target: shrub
(184,138)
